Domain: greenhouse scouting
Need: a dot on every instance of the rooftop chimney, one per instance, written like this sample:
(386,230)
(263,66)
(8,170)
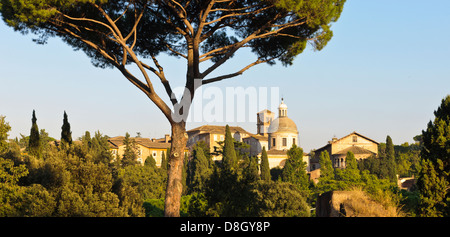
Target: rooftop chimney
(166,138)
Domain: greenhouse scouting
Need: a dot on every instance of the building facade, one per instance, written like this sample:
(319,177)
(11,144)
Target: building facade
(145,147)
(276,135)
(212,135)
(361,146)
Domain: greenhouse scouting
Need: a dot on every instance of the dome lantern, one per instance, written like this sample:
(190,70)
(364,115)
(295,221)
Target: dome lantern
(282,109)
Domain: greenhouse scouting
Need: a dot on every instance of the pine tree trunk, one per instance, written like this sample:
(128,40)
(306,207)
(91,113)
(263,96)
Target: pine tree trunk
(175,170)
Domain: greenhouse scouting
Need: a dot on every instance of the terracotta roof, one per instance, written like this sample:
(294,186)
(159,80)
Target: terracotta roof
(355,150)
(217,129)
(115,142)
(258,137)
(276,152)
(266,110)
(353,133)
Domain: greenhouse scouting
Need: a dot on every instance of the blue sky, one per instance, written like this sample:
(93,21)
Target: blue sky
(385,71)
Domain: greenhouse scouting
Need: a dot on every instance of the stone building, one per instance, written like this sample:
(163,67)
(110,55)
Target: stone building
(145,147)
(276,135)
(361,146)
(213,134)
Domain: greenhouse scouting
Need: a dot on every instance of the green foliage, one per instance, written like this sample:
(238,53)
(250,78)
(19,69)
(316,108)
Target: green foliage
(436,138)
(130,154)
(64,184)
(150,161)
(326,167)
(279,199)
(4,130)
(199,170)
(265,168)
(388,162)
(250,171)
(433,190)
(305,21)
(229,159)
(66,134)
(117,33)
(435,170)
(164,160)
(294,170)
(155,207)
(149,182)
(34,145)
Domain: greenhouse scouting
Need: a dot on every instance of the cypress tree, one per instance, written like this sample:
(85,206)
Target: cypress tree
(66,134)
(229,158)
(34,144)
(200,170)
(389,163)
(265,168)
(164,163)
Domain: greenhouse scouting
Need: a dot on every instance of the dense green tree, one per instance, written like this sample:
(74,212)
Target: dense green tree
(278,199)
(148,181)
(350,176)
(130,154)
(34,145)
(229,159)
(99,149)
(435,170)
(199,170)
(150,161)
(436,138)
(433,189)
(250,171)
(4,130)
(22,201)
(164,162)
(326,167)
(119,33)
(294,170)
(389,161)
(66,134)
(265,168)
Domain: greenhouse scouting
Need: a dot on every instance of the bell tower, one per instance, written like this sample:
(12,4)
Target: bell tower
(264,118)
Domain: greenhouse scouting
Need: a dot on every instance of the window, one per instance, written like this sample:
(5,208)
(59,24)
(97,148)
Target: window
(293,141)
(284,141)
(273,142)
(154,154)
(355,138)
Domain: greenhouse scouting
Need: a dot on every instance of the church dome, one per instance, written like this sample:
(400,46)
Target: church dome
(282,124)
